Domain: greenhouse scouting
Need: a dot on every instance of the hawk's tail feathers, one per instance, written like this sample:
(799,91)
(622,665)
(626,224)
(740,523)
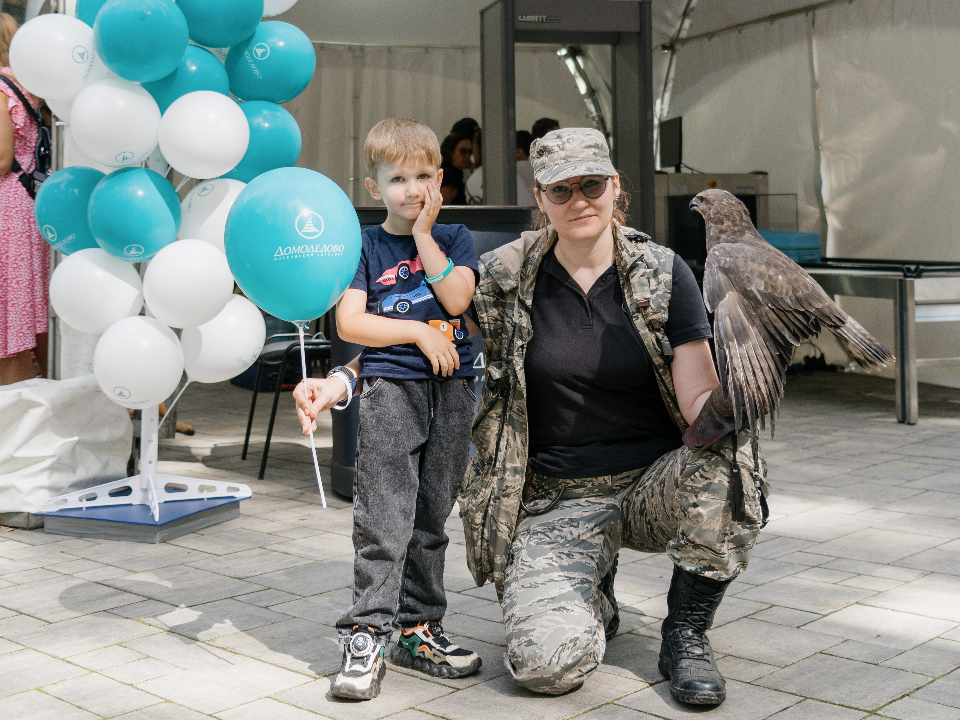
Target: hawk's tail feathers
(863,347)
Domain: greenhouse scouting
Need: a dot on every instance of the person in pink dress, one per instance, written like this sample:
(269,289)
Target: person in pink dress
(24,256)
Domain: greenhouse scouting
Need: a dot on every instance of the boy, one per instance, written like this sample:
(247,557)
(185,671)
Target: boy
(405,304)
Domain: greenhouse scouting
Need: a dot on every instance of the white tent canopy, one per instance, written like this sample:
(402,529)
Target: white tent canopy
(854,106)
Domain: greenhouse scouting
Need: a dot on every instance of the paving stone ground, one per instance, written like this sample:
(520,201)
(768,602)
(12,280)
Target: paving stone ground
(850,608)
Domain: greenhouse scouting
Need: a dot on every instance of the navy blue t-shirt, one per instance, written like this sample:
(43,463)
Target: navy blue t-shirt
(392,276)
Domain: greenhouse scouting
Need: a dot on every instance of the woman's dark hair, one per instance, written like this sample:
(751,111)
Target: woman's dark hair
(450,143)
(465,125)
(542,126)
(620,206)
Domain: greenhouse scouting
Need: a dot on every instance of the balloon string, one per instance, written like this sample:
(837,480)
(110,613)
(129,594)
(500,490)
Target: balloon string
(170,409)
(313,446)
(182,183)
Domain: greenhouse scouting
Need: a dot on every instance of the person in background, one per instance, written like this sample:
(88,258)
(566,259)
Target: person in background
(456,150)
(24,256)
(542,126)
(465,126)
(525,181)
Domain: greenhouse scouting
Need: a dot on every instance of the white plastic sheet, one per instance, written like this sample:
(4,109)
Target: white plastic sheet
(57,436)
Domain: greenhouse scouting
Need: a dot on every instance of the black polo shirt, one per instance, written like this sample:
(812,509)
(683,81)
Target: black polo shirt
(592,398)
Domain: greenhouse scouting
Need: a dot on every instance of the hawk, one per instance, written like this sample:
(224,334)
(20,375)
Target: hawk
(764,305)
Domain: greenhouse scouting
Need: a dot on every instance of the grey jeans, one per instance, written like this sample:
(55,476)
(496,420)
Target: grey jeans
(412,452)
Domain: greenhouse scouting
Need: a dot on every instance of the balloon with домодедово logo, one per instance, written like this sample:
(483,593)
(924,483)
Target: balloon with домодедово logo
(275,140)
(187,283)
(204,134)
(87,10)
(221,23)
(91,290)
(277,7)
(275,64)
(293,243)
(134,213)
(200,69)
(115,122)
(138,362)
(141,40)
(53,57)
(227,345)
(203,212)
(61,208)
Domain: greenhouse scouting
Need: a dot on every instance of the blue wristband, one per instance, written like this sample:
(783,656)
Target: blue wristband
(441,276)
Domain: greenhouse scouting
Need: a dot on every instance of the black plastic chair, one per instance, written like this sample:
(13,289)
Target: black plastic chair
(282,353)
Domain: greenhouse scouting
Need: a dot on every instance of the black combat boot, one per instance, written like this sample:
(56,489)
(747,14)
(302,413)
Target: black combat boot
(686,657)
(606,587)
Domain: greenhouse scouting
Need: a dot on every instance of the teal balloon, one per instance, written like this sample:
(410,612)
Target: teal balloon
(61,208)
(87,10)
(221,23)
(275,64)
(293,243)
(134,213)
(199,70)
(141,40)
(274,141)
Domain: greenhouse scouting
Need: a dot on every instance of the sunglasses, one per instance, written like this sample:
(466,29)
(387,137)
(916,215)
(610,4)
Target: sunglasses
(590,187)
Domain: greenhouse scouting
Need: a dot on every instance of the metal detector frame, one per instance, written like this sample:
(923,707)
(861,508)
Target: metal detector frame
(627,27)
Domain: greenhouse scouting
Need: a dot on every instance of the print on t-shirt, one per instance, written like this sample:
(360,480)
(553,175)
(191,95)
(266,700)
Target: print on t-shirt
(403,270)
(392,275)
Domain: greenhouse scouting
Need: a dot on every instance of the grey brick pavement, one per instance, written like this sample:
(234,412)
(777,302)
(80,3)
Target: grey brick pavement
(850,609)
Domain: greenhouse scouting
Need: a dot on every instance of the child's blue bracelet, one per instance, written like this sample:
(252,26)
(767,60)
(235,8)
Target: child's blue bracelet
(441,276)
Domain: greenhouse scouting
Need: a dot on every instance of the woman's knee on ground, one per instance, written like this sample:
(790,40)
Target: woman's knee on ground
(556,660)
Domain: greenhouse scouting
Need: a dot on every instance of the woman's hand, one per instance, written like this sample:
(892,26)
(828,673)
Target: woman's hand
(313,396)
(441,353)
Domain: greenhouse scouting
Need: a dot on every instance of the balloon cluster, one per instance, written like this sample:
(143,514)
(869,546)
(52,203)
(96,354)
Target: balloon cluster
(201,79)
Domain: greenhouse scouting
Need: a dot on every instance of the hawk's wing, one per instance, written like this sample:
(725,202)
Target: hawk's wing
(764,305)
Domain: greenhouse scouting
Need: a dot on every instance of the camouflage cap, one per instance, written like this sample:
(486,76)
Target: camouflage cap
(570,152)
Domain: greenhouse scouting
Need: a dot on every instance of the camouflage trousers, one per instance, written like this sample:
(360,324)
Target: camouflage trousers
(554,613)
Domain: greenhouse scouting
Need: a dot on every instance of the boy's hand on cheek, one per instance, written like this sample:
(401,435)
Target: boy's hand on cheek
(441,353)
(432,199)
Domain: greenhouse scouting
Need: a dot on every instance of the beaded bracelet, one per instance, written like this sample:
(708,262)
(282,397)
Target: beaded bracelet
(441,276)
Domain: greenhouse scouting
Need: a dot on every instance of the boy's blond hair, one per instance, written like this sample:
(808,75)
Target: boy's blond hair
(398,139)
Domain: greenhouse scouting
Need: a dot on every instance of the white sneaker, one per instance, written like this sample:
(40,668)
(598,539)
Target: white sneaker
(363,667)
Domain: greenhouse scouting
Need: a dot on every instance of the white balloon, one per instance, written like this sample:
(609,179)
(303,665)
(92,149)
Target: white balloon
(91,290)
(138,362)
(227,345)
(204,134)
(203,212)
(275,7)
(115,123)
(61,108)
(187,283)
(53,56)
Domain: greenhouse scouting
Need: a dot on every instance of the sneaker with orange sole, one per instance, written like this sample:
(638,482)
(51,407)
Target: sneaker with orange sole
(426,649)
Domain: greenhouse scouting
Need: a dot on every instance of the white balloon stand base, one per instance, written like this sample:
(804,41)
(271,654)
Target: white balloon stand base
(148,507)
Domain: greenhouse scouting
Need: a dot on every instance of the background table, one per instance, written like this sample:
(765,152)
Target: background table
(893,280)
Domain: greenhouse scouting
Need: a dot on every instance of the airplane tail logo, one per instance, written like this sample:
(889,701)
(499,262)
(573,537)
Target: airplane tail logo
(309,225)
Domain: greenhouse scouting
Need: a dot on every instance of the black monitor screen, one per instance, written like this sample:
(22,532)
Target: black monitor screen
(671,143)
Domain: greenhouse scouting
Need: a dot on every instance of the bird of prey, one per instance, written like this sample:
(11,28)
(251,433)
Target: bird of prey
(764,305)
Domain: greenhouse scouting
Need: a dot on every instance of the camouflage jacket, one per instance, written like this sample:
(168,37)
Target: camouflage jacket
(490,496)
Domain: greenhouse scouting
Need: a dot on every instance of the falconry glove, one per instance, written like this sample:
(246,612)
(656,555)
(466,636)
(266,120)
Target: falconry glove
(716,420)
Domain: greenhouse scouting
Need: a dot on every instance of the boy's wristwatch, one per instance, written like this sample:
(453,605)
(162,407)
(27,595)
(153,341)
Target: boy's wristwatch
(350,380)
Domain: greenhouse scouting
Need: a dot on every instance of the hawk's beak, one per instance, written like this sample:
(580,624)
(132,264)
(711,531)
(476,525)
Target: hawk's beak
(695,205)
